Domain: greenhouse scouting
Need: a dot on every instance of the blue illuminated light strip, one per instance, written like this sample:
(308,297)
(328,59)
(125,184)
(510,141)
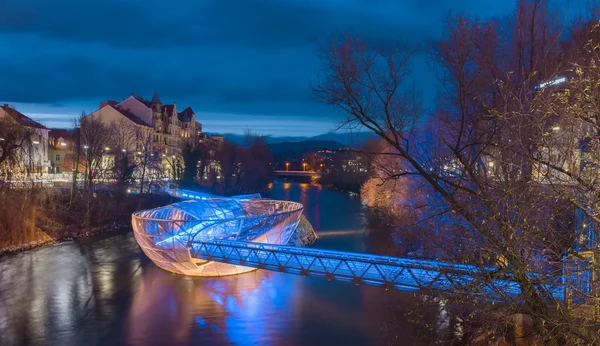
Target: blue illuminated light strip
(205,228)
(373,270)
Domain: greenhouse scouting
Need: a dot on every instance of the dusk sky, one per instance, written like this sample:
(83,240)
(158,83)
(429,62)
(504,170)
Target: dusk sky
(239,64)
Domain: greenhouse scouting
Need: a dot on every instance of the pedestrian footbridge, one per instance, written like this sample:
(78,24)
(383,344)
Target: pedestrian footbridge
(210,236)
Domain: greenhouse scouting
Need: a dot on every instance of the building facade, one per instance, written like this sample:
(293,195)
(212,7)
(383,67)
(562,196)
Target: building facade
(169,126)
(164,128)
(35,156)
(60,151)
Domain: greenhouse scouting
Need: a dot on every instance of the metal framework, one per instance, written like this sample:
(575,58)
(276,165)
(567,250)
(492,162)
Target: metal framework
(168,235)
(211,236)
(381,271)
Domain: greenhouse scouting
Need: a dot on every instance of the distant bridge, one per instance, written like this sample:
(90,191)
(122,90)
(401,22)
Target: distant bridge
(307,174)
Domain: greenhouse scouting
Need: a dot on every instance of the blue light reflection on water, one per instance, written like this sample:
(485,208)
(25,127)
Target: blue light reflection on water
(106,290)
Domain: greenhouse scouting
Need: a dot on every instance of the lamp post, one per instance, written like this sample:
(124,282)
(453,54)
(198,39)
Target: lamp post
(304,166)
(287,166)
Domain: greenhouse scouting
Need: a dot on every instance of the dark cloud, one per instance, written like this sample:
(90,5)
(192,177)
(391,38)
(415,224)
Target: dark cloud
(246,57)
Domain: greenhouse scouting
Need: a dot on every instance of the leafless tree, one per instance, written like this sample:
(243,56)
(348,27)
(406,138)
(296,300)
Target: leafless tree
(475,162)
(95,139)
(15,141)
(146,159)
(77,147)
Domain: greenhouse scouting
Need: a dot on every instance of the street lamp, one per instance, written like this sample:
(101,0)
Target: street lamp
(304,166)
(287,166)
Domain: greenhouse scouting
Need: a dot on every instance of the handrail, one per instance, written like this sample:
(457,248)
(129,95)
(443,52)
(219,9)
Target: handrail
(377,270)
(136,214)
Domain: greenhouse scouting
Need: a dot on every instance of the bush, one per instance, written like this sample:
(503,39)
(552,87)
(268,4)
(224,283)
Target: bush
(35,215)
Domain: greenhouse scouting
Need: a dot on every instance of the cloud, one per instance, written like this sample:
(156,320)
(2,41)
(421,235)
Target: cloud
(235,56)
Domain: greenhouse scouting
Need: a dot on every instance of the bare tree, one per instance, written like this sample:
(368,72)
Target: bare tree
(173,164)
(195,156)
(475,164)
(15,141)
(255,168)
(146,159)
(77,147)
(95,139)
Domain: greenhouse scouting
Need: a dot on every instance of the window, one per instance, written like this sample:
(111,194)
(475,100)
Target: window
(57,157)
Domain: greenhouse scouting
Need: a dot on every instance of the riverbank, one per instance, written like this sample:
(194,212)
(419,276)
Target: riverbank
(46,240)
(105,288)
(35,217)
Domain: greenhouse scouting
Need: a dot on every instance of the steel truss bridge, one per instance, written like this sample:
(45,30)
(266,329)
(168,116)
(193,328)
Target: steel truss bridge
(404,274)
(412,275)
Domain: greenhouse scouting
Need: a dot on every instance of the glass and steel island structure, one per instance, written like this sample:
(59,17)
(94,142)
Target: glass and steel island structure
(171,236)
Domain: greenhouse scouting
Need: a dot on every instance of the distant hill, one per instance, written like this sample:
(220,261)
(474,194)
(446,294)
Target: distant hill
(291,151)
(348,139)
(240,139)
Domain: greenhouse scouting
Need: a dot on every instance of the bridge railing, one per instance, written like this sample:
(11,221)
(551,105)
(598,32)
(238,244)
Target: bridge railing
(367,269)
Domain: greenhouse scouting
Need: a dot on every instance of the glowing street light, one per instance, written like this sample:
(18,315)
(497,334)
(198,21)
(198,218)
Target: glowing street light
(124,150)
(304,166)
(106,148)
(287,166)
(1,139)
(85,147)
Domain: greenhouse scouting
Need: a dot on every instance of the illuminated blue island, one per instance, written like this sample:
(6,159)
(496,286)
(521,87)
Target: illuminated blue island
(171,236)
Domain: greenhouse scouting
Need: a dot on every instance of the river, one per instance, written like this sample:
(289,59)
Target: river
(104,291)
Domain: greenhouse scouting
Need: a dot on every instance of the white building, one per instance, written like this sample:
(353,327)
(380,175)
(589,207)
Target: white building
(35,158)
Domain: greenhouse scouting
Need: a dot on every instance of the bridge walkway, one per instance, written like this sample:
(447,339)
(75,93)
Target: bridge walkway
(413,275)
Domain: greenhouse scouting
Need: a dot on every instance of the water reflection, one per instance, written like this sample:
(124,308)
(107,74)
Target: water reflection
(244,309)
(104,291)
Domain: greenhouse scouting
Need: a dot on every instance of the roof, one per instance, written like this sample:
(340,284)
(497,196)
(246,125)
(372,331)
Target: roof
(155,98)
(144,101)
(20,118)
(60,133)
(186,115)
(107,103)
(168,109)
(55,134)
(131,116)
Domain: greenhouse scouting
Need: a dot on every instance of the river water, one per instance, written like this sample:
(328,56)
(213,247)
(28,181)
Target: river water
(104,291)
